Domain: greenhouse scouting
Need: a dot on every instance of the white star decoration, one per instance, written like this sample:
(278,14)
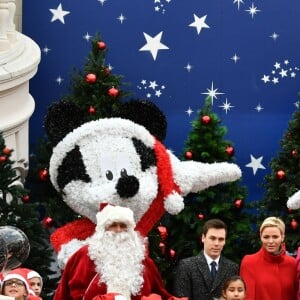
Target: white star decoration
(188,67)
(266,78)
(199,23)
(87,37)
(58,14)
(235,58)
(102,1)
(274,36)
(238,2)
(121,18)
(252,10)
(226,106)
(153,85)
(59,80)
(212,93)
(280,72)
(153,44)
(259,108)
(255,164)
(46,50)
(189,111)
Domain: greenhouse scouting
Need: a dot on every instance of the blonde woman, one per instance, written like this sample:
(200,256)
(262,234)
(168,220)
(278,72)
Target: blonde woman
(270,274)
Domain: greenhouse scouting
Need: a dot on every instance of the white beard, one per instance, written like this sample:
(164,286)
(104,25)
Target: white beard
(118,259)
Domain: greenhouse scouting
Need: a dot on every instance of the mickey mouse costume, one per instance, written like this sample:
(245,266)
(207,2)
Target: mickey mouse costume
(121,161)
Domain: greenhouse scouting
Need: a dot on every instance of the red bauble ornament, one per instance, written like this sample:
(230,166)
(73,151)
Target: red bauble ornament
(188,155)
(201,216)
(113,92)
(162,247)
(6,151)
(91,78)
(229,150)
(280,174)
(25,198)
(294,224)
(172,253)
(2,159)
(43,174)
(163,232)
(238,203)
(48,222)
(294,153)
(101,45)
(205,120)
(92,110)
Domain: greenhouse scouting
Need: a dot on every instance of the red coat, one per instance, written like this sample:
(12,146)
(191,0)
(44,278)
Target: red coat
(298,273)
(80,280)
(269,277)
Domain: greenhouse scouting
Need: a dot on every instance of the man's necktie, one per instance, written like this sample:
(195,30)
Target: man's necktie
(213,270)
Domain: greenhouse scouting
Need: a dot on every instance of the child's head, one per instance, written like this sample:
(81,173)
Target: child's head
(234,288)
(35,282)
(15,285)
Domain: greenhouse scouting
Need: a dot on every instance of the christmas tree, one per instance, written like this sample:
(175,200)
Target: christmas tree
(18,210)
(282,182)
(179,236)
(98,93)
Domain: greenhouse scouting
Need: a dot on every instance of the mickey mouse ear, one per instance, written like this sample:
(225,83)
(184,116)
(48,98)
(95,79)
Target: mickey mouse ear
(61,118)
(145,113)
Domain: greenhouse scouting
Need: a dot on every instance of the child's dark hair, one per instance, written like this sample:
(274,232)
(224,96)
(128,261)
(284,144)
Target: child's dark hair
(233,279)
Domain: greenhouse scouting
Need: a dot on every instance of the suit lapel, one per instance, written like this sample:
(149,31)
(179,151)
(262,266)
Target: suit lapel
(220,274)
(204,270)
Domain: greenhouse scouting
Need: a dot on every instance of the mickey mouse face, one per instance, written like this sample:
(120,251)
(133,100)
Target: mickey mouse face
(106,161)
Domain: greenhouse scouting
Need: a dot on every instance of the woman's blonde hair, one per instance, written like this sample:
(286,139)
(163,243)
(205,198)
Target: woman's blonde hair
(273,222)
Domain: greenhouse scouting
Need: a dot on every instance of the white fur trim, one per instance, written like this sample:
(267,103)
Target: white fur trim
(67,250)
(16,276)
(110,214)
(174,203)
(294,201)
(120,297)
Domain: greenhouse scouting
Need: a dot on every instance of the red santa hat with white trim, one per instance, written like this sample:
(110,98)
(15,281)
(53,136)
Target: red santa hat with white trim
(16,274)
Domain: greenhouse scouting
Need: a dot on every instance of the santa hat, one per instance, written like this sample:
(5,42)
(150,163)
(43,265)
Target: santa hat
(16,274)
(110,214)
(33,274)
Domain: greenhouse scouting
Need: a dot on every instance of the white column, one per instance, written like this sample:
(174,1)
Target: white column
(4,15)
(17,67)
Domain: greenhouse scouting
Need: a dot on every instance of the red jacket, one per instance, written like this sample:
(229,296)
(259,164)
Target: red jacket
(269,277)
(80,281)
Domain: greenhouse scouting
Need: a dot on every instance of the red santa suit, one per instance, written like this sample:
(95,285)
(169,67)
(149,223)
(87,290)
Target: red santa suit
(81,281)
(111,262)
(269,277)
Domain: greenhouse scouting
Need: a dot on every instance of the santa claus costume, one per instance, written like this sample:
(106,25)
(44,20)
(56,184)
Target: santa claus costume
(111,262)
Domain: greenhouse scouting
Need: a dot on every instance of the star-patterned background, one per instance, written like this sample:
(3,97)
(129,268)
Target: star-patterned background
(244,54)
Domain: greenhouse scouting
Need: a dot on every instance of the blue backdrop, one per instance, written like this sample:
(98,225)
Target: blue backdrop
(245,54)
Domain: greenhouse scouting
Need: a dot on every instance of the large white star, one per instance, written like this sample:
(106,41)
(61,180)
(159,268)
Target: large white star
(212,93)
(255,164)
(58,14)
(199,23)
(153,44)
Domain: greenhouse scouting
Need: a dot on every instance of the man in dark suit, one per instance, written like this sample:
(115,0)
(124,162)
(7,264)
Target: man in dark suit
(201,277)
